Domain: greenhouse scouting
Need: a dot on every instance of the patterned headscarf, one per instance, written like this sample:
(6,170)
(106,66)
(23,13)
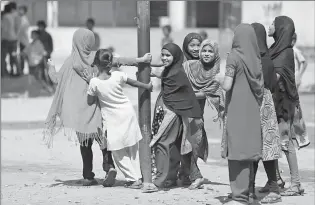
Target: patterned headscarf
(201,76)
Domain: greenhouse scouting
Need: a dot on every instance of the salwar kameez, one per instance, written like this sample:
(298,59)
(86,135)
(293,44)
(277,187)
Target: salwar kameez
(180,107)
(242,141)
(168,143)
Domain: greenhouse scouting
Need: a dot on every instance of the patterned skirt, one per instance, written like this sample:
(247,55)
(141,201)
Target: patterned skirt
(270,130)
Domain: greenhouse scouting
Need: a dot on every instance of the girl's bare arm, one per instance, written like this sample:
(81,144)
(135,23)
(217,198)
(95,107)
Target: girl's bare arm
(119,61)
(135,83)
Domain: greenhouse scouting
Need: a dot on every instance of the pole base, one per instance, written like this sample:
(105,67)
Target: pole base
(149,188)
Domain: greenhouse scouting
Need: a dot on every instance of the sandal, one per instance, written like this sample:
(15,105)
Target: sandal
(110,178)
(293,191)
(197,184)
(149,188)
(271,198)
(281,184)
(169,184)
(184,181)
(265,189)
(134,184)
(252,197)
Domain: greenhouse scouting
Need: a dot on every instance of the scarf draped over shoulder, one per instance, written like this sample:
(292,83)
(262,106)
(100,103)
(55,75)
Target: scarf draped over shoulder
(202,79)
(282,54)
(70,99)
(177,93)
(270,77)
(245,47)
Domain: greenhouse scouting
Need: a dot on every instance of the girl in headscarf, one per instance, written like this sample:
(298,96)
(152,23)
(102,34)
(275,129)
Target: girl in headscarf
(191,46)
(74,112)
(201,75)
(178,105)
(270,130)
(244,84)
(286,96)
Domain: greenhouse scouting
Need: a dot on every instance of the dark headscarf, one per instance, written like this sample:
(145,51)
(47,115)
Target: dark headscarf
(282,55)
(177,92)
(270,77)
(246,48)
(187,40)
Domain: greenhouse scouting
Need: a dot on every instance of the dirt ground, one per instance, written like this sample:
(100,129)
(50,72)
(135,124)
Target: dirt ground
(34,175)
(31,174)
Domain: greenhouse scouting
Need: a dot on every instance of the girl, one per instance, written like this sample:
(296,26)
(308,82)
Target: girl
(201,75)
(286,96)
(123,132)
(244,84)
(270,129)
(36,57)
(73,111)
(178,104)
(191,46)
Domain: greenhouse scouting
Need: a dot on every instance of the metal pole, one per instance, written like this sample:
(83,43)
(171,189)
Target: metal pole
(144,96)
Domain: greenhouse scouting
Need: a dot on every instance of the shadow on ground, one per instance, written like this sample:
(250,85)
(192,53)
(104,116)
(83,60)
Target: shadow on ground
(79,183)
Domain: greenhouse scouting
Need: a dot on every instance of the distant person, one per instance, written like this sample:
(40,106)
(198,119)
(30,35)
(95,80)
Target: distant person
(167,30)
(5,24)
(300,62)
(90,23)
(298,122)
(45,38)
(36,56)
(203,35)
(10,28)
(23,33)
(47,41)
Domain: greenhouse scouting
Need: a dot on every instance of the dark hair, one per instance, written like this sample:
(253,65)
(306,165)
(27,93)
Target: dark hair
(7,9)
(35,32)
(103,58)
(90,20)
(24,8)
(12,5)
(294,37)
(41,23)
(167,27)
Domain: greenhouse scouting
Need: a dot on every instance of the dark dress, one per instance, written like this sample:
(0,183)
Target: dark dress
(243,116)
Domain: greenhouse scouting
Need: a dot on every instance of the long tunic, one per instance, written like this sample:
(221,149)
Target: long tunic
(243,128)
(120,118)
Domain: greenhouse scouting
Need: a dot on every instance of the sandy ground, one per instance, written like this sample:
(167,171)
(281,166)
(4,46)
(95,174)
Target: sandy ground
(32,174)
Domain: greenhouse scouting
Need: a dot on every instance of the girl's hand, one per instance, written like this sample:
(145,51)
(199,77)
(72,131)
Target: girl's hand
(147,58)
(87,76)
(150,87)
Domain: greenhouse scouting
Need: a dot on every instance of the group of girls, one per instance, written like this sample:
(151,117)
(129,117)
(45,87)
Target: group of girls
(257,110)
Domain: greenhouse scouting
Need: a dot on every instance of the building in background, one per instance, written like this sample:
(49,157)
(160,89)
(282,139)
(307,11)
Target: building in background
(224,15)
(180,14)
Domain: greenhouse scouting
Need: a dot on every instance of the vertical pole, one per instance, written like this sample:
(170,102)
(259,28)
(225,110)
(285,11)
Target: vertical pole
(144,96)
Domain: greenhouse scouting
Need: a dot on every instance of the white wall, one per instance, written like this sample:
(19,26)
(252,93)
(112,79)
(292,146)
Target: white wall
(301,12)
(177,14)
